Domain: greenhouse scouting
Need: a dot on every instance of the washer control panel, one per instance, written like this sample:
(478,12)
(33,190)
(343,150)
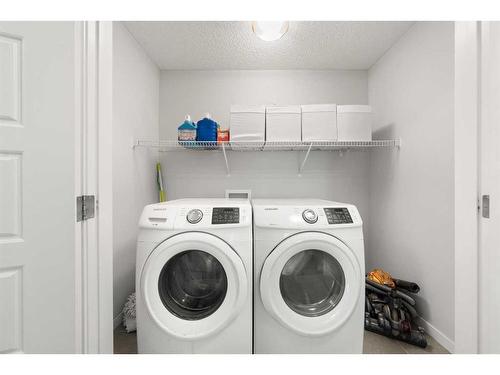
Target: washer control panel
(194,216)
(338,215)
(309,216)
(225,215)
(198,214)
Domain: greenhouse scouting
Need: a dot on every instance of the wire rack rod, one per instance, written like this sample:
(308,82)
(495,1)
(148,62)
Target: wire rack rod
(170,146)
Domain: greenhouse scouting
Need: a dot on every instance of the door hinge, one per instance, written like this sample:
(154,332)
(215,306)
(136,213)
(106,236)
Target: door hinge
(486,206)
(85,207)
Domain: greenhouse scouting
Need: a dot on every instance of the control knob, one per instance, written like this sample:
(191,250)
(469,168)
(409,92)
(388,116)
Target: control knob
(194,216)
(310,216)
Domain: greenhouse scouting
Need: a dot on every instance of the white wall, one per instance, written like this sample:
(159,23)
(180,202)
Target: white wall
(411,232)
(267,174)
(135,115)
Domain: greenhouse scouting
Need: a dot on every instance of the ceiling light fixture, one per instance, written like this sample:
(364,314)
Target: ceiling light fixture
(270,30)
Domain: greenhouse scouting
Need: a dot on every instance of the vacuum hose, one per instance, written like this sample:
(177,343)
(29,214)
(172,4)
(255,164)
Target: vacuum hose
(413,337)
(407,285)
(376,287)
(391,312)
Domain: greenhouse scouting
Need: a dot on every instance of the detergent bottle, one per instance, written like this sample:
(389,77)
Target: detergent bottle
(187,130)
(206,129)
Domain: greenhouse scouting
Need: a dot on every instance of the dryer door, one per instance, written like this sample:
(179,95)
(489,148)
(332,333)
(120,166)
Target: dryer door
(311,283)
(194,284)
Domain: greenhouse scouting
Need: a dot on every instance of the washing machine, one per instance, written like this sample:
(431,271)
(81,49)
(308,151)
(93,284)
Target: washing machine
(309,277)
(194,277)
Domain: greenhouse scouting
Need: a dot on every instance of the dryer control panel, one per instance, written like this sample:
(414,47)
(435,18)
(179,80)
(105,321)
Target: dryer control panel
(225,215)
(307,214)
(338,215)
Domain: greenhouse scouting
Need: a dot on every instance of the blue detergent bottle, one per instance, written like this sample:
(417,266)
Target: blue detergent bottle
(206,129)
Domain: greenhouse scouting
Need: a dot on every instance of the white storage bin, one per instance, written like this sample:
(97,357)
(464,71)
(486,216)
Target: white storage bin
(283,123)
(248,123)
(354,122)
(319,122)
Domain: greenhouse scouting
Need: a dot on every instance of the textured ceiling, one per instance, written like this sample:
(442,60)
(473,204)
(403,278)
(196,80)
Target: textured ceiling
(233,45)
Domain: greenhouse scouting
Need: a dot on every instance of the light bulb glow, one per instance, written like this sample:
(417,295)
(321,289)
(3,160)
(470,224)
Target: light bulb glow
(270,30)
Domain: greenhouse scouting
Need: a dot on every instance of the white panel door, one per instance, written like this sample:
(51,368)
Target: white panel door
(489,157)
(37,185)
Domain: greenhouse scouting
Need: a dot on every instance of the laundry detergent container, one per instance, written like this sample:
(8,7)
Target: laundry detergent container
(354,122)
(248,124)
(283,123)
(319,122)
(206,129)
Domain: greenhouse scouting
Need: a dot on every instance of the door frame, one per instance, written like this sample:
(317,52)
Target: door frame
(466,186)
(470,70)
(93,176)
(487,82)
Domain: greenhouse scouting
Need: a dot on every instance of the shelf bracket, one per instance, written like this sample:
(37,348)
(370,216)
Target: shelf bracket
(301,168)
(228,171)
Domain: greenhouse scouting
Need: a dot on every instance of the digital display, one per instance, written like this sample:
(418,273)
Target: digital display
(225,215)
(339,215)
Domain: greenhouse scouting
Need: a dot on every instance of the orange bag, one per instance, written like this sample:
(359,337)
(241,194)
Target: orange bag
(381,277)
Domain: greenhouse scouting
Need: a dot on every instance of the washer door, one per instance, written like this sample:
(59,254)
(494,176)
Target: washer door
(194,284)
(311,283)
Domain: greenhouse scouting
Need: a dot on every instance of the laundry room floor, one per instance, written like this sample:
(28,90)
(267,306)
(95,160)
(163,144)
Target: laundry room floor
(377,344)
(126,343)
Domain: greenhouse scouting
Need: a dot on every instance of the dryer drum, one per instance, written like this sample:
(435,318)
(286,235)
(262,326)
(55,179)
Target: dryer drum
(312,283)
(192,285)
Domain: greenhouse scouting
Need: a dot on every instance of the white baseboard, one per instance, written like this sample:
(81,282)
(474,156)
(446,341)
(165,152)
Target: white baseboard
(437,335)
(117,320)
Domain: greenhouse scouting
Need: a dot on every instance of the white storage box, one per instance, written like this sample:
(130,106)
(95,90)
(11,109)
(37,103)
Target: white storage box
(248,123)
(354,122)
(319,122)
(283,123)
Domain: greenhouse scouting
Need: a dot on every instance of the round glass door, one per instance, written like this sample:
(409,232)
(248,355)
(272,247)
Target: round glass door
(192,285)
(312,283)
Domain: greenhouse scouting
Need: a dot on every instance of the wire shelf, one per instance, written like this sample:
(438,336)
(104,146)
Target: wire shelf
(169,146)
(224,147)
